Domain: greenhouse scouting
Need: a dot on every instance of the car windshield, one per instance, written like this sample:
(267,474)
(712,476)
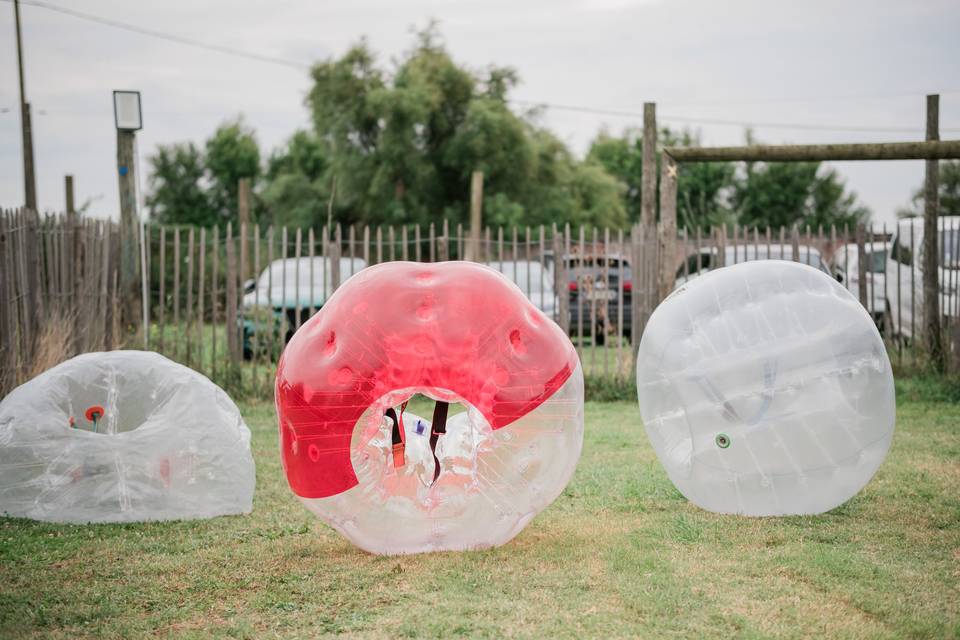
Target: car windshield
(529,276)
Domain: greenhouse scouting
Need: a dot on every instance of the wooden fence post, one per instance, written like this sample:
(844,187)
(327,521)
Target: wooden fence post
(668,224)
(476,215)
(931,269)
(8,359)
(648,181)
(560,281)
(243,211)
(861,266)
(230,313)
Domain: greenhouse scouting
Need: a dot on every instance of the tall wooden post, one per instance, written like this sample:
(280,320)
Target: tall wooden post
(129,227)
(243,211)
(68,194)
(476,214)
(931,248)
(26,124)
(862,266)
(668,223)
(648,179)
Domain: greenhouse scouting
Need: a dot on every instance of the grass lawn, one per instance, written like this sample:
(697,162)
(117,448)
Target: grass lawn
(621,553)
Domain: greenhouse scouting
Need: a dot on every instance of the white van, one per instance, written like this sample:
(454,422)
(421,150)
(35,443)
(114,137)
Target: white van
(846,267)
(904,274)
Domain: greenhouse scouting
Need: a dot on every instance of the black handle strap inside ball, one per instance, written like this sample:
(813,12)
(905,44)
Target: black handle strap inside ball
(438,428)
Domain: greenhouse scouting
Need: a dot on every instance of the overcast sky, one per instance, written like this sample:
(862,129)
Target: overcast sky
(857,69)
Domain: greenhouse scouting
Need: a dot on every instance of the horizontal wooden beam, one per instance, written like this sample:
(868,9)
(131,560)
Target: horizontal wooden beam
(935,150)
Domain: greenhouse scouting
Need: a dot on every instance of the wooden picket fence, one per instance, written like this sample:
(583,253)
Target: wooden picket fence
(61,284)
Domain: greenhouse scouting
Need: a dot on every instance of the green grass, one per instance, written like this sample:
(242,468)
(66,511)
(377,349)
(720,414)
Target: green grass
(621,553)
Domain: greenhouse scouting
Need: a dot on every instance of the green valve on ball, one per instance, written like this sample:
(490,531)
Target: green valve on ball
(723,440)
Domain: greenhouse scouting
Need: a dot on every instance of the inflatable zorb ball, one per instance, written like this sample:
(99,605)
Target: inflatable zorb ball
(765,389)
(393,482)
(122,436)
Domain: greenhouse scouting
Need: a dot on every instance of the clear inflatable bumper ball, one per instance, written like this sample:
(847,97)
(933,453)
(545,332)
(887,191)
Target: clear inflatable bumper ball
(765,389)
(123,436)
(393,482)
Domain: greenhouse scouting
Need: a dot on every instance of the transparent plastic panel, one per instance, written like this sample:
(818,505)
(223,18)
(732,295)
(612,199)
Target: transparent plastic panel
(766,389)
(123,436)
(457,332)
(492,482)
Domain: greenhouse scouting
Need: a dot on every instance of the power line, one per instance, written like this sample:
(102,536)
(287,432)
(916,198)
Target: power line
(715,121)
(294,64)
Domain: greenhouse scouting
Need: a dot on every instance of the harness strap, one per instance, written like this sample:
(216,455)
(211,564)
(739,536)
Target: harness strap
(438,428)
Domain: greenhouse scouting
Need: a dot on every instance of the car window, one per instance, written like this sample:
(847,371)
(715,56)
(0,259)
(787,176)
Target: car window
(901,253)
(695,262)
(950,248)
(877,261)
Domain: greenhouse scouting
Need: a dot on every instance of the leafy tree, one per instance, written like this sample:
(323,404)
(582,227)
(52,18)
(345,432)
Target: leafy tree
(403,145)
(188,185)
(231,153)
(296,193)
(802,193)
(177,195)
(703,188)
(949,193)
(622,157)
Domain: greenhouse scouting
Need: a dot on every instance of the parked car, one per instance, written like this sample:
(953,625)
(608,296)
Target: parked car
(846,268)
(286,294)
(706,259)
(535,282)
(595,284)
(904,274)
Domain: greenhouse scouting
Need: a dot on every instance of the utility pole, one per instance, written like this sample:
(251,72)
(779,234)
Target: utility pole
(29,178)
(931,248)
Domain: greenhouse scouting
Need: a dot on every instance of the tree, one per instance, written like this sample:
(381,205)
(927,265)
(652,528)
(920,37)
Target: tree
(190,186)
(403,145)
(703,188)
(231,153)
(787,193)
(176,192)
(622,157)
(949,193)
(296,191)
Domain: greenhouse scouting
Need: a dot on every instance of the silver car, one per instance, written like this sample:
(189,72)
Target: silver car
(697,264)
(285,295)
(534,280)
